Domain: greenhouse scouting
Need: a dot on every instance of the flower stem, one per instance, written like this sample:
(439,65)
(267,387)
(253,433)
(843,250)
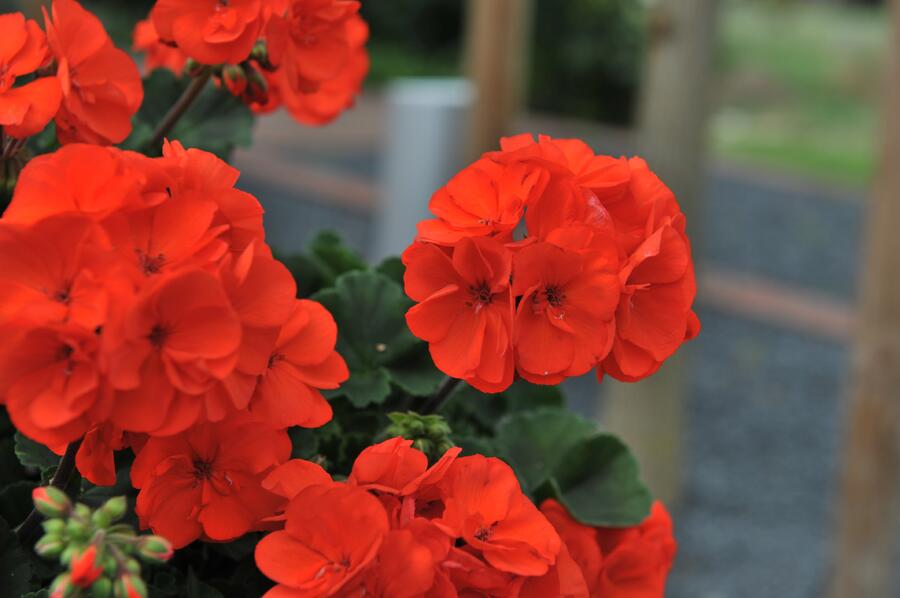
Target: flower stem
(443,393)
(178,109)
(62,476)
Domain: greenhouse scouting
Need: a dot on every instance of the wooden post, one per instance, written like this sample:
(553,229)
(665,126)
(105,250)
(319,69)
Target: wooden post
(496,52)
(672,117)
(869,504)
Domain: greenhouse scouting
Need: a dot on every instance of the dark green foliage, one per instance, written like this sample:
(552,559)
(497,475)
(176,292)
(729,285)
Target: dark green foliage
(217,122)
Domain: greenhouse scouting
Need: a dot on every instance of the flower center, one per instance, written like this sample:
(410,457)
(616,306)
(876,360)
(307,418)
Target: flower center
(150,264)
(481,295)
(158,336)
(275,358)
(554,295)
(483,533)
(203,470)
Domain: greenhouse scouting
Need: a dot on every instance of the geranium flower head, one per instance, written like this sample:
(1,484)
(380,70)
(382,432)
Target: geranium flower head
(465,308)
(101,84)
(206,482)
(633,561)
(210,31)
(395,467)
(25,109)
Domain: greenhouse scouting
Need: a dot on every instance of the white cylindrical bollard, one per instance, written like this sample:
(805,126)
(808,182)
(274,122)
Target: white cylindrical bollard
(425,144)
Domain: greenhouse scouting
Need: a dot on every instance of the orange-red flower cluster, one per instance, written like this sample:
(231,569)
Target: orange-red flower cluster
(305,55)
(602,277)
(462,527)
(629,562)
(139,298)
(90,87)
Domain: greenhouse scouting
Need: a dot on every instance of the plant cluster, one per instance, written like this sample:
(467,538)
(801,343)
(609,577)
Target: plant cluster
(308,425)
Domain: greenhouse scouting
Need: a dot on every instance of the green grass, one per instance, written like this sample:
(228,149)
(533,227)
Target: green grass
(799,87)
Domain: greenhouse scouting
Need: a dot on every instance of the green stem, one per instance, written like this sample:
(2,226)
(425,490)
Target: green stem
(434,404)
(178,109)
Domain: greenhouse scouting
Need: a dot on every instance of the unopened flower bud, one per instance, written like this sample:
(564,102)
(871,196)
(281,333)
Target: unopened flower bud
(235,79)
(54,526)
(130,586)
(102,588)
(78,530)
(154,549)
(51,502)
(115,508)
(260,54)
(50,546)
(257,91)
(62,587)
(101,519)
(84,567)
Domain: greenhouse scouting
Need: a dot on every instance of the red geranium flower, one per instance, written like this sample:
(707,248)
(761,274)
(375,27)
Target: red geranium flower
(465,309)
(394,467)
(210,31)
(484,505)
(485,198)
(95,181)
(101,84)
(177,340)
(206,482)
(331,535)
(26,109)
(564,322)
(302,361)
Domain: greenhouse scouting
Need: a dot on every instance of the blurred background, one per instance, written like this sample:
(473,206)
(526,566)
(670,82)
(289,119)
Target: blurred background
(764,116)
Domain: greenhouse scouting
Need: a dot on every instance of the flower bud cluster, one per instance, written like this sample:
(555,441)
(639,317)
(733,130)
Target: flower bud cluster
(102,556)
(429,433)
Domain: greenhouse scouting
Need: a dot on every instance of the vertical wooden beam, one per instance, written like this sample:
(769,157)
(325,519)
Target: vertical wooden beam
(496,55)
(869,504)
(672,116)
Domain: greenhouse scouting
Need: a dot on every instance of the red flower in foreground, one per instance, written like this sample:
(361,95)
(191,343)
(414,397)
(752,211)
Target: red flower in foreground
(206,482)
(210,31)
(465,309)
(26,109)
(332,533)
(139,296)
(101,84)
(628,562)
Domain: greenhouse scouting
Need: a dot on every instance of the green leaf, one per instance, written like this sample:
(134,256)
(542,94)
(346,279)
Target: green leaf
(15,566)
(393,268)
(535,442)
(217,121)
(35,454)
(333,257)
(370,309)
(10,468)
(417,375)
(598,482)
(524,396)
(198,589)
